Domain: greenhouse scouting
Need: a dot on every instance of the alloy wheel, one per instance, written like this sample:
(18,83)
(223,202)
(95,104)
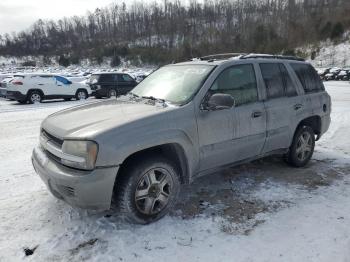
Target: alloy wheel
(153,191)
(304,146)
(35,98)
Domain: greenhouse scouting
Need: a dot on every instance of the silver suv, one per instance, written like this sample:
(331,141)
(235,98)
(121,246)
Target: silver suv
(183,121)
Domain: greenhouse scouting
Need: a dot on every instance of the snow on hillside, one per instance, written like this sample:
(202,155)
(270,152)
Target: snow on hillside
(329,54)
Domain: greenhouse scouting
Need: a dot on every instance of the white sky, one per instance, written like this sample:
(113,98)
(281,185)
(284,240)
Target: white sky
(17,15)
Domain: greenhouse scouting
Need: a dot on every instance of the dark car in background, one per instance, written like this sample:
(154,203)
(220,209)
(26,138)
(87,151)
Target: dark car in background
(111,84)
(343,75)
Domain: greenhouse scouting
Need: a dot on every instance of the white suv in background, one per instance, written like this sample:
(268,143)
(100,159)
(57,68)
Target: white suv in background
(34,88)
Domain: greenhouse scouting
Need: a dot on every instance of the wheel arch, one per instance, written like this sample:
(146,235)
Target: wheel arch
(314,122)
(171,151)
(35,89)
(82,89)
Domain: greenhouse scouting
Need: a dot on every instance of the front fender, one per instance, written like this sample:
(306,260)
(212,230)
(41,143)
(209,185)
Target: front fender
(117,152)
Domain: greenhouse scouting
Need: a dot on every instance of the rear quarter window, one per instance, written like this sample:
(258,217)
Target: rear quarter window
(308,77)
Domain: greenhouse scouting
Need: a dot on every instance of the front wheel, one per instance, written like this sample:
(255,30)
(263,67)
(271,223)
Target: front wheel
(302,147)
(81,95)
(148,189)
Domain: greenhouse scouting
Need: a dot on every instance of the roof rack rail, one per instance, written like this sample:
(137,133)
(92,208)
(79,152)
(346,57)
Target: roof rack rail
(266,56)
(220,56)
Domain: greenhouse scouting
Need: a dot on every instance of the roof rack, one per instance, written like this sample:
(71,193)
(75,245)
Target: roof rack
(220,56)
(266,56)
(212,58)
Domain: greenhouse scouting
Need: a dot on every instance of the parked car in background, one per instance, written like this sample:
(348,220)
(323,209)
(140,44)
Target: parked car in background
(342,75)
(34,88)
(322,72)
(330,76)
(140,78)
(3,85)
(183,121)
(111,84)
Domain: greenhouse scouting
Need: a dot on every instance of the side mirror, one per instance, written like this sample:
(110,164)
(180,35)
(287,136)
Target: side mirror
(220,101)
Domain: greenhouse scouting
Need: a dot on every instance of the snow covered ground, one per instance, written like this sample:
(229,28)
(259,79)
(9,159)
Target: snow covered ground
(263,211)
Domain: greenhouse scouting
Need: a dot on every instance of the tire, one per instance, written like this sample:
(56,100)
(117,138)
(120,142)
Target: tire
(112,93)
(301,152)
(81,95)
(34,97)
(156,182)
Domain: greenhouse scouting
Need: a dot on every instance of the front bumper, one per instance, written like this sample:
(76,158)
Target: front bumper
(84,189)
(16,95)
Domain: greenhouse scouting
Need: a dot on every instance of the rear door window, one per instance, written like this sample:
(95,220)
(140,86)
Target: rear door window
(308,77)
(107,78)
(273,79)
(289,87)
(277,80)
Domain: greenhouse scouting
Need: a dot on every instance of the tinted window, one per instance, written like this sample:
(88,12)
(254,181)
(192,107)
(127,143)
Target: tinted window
(124,78)
(62,80)
(308,77)
(273,80)
(107,78)
(289,87)
(239,82)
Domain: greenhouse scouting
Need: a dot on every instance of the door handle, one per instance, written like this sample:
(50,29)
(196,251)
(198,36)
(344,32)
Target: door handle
(298,106)
(40,84)
(256,114)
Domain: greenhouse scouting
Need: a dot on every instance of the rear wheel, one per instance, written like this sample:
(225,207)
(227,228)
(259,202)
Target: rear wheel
(112,93)
(81,95)
(302,147)
(35,97)
(147,190)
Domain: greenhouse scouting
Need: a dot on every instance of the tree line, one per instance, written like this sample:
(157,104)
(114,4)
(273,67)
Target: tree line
(170,31)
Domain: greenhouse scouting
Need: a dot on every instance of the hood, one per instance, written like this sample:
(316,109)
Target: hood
(89,120)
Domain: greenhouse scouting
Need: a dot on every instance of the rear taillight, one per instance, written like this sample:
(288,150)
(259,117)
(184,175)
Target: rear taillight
(17,83)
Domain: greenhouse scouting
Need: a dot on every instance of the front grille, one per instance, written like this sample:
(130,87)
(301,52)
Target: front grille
(52,156)
(52,138)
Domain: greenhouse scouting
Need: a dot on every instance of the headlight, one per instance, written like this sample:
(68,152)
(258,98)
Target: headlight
(79,154)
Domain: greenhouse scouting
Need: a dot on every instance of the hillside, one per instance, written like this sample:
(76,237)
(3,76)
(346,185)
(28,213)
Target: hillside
(334,55)
(159,33)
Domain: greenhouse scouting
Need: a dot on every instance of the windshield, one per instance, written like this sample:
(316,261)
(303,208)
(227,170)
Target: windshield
(176,83)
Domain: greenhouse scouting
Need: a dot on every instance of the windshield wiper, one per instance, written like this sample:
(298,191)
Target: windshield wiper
(154,98)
